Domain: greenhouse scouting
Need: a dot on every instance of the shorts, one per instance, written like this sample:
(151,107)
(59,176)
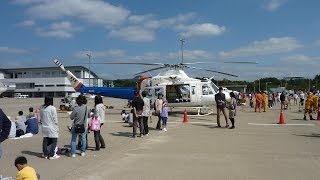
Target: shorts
(232,113)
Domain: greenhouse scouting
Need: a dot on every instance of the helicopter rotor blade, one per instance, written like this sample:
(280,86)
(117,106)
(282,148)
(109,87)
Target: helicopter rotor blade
(131,63)
(154,69)
(212,71)
(240,62)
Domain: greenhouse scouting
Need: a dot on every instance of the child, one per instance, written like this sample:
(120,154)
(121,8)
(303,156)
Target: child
(164,116)
(24,171)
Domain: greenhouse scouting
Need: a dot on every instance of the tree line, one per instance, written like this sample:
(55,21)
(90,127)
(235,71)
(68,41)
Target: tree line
(290,83)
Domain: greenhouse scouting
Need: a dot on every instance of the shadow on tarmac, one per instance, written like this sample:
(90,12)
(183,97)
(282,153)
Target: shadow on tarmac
(313,135)
(37,154)
(123,134)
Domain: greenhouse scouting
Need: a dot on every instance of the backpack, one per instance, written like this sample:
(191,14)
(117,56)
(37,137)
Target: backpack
(19,132)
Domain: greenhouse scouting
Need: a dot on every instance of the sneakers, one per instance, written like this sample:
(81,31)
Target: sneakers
(83,154)
(73,155)
(141,135)
(54,157)
(164,129)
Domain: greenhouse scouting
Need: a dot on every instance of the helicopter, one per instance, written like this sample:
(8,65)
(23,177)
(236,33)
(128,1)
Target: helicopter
(175,85)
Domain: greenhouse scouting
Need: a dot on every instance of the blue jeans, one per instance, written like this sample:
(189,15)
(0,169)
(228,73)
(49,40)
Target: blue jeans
(0,151)
(164,120)
(74,140)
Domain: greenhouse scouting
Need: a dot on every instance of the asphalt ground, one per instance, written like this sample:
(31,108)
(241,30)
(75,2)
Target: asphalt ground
(257,149)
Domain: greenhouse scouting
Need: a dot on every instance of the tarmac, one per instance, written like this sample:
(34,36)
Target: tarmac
(257,149)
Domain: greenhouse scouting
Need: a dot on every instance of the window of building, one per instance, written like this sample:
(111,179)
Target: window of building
(63,85)
(37,74)
(55,74)
(25,85)
(49,85)
(77,73)
(19,74)
(47,74)
(38,85)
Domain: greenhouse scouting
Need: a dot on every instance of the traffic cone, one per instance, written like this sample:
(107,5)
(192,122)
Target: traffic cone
(185,117)
(282,119)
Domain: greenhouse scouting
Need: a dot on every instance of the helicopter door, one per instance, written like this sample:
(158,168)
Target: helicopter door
(193,93)
(207,93)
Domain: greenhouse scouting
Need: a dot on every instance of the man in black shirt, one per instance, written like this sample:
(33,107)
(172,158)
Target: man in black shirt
(5,126)
(137,105)
(221,106)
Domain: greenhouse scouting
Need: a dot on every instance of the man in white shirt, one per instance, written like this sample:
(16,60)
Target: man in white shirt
(302,96)
(158,108)
(145,112)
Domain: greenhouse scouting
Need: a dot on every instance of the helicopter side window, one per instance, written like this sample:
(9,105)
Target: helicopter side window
(206,90)
(193,90)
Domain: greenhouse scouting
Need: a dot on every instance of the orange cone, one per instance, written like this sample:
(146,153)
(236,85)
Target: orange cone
(282,119)
(185,117)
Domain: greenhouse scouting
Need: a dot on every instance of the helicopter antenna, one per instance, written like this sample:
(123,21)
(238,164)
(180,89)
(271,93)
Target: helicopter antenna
(183,41)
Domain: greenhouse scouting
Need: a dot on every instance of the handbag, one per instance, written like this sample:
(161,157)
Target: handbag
(80,128)
(95,123)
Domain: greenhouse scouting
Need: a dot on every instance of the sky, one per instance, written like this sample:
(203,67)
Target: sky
(283,36)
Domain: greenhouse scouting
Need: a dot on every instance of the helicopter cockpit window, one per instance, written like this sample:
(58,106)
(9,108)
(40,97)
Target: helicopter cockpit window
(215,87)
(206,90)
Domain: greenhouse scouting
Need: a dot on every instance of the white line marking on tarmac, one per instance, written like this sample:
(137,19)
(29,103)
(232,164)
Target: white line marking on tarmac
(261,124)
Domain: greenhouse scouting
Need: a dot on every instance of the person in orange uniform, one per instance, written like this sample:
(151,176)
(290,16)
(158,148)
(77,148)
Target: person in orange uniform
(265,101)
(308,106)
(315,99)
(259,99)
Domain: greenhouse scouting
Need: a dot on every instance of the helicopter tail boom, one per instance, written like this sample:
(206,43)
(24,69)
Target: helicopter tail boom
(75,82)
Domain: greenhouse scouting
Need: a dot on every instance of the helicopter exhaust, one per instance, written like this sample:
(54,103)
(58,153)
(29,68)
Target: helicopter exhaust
(75,82)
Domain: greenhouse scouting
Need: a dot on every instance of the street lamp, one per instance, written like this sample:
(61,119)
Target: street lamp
(89,56)
(259,86)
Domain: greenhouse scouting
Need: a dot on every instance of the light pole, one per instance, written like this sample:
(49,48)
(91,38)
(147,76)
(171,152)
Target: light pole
(182,40)
(89,56)
(259,86)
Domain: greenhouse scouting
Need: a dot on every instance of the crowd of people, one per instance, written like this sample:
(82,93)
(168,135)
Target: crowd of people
(85,119)
(309,101)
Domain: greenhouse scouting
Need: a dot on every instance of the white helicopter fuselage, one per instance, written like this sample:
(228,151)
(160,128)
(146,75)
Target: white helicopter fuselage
(180,90)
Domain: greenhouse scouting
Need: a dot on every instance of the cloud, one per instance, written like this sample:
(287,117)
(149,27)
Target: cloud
(205,29)
(108,54)
(27,23)
(61,30)
(133,34)
(8,50)
(150,21)
(273,5)
(300,59)
(92,11)
(317,43)
(270,46)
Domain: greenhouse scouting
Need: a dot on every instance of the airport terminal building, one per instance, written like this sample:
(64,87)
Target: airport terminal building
(45,81)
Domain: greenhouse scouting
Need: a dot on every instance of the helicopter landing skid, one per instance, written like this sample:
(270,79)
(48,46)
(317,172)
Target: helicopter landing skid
(202,111)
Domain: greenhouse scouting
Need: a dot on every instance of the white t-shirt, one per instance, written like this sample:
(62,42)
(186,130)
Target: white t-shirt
(302,95)
(146,107)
